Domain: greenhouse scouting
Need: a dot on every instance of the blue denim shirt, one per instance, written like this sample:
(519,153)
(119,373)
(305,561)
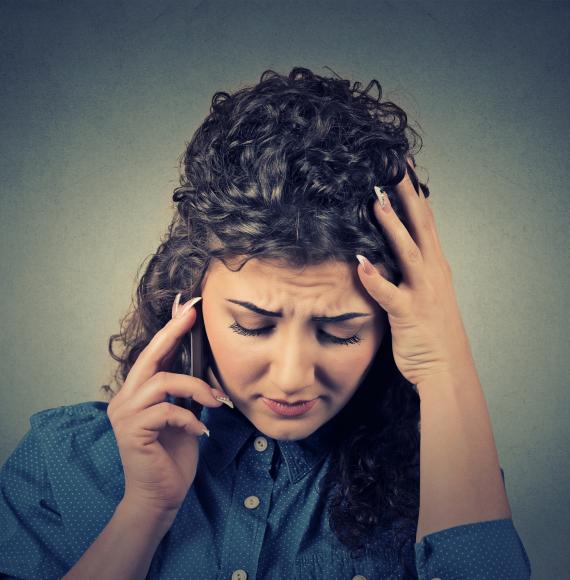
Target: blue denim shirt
(253,512)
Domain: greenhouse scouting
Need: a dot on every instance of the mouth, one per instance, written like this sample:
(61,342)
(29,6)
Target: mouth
(289,410)
(283,402)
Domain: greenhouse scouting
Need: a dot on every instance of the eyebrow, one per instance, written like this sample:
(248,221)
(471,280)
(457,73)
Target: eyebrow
(279,314)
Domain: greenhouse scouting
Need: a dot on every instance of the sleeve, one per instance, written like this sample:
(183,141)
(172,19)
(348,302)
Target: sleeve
(483,550)
(32,536)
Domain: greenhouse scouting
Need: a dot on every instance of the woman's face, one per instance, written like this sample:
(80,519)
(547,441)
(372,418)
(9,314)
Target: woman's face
(295,358)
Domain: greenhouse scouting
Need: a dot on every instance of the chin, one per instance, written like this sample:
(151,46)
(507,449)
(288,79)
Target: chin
(287,430)
(278,428)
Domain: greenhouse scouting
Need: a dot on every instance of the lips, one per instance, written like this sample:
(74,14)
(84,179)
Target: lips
(283,402)
(289,410)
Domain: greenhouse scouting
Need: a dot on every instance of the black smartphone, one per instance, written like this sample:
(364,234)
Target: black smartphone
(200,357)
(198,363)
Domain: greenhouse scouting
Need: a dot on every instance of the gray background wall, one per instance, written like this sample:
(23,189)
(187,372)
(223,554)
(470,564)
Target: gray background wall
(98,99)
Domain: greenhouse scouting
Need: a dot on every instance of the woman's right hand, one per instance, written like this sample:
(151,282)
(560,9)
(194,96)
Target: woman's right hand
(157,440)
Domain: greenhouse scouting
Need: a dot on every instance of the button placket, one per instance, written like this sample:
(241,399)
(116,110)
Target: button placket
(252,501)
(253,476)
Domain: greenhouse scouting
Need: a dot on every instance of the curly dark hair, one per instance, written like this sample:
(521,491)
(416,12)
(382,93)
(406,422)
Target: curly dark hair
(285,170)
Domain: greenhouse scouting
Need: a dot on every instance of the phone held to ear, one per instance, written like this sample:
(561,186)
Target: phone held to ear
(200,358)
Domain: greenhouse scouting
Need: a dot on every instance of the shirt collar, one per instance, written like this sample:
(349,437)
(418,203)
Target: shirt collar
(230,429)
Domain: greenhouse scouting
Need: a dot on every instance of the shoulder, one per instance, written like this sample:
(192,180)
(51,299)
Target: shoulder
(82,423)
(78,450)
(62,444)
(75,439)
(74,433)
(52,429)
(58,489)
(68,417)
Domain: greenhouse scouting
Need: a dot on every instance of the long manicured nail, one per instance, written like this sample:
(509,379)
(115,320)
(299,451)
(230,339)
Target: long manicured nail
(368,267)
(224,400)
(188,306)
(175,304)
(383,197)
(222,397)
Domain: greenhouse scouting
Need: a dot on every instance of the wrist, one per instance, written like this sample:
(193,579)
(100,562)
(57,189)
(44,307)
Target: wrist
(462,378)
(142,513)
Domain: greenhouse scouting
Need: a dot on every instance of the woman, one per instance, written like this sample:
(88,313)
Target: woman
(284,184)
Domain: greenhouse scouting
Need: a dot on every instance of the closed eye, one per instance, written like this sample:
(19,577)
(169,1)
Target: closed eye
(239,329)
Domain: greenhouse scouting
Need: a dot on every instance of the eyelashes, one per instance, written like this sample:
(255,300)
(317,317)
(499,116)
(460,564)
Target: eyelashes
(239,329)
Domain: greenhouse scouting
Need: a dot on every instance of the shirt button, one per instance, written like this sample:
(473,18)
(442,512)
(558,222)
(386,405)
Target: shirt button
(359,577)
(260,443)
(239,575)
(251,502)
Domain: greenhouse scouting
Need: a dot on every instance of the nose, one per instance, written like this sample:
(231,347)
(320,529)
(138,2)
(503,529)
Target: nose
(293,370)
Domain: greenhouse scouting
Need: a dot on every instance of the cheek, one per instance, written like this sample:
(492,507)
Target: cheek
(228,350)
(347,367)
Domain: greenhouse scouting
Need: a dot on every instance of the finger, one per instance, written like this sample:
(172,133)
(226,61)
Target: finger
(167,360)
(161,384)
(158,417)
(387,294)
(166,363)
(162,343)
(420,221)
(434,232)
(409,256)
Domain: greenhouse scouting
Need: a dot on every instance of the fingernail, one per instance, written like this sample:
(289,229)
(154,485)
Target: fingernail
(224,399)
(188,306)
(383,197)
(368,267)
(205,430)
(175,304)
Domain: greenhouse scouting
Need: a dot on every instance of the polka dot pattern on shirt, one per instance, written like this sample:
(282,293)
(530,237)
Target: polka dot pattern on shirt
(254,509)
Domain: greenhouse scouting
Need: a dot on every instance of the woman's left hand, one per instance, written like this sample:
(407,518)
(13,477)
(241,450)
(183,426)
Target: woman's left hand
(428,335)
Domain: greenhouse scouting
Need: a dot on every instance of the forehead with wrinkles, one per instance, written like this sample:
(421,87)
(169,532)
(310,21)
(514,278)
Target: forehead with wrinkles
(332,282)
(265,273)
